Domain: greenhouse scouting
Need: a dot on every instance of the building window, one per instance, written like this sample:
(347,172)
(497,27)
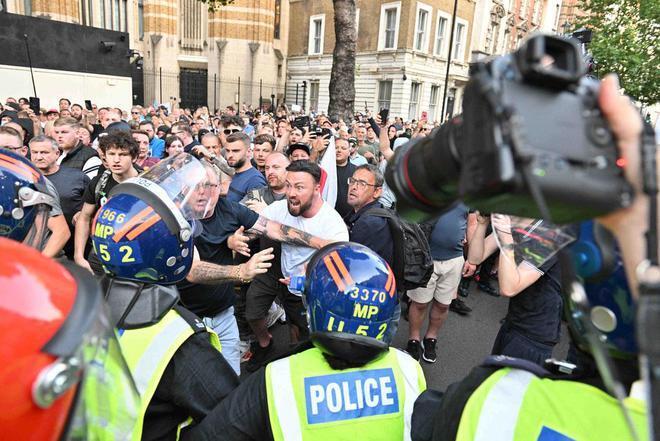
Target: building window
(384,94)
(27,6)
(421,28)
(389,25)
(124,23)
(279,70)
(314,88)
(414,100)
(116,14)
(451,102)
(357,21)
(83,13)
(278,17)
(433,103)
(316,32)
(191,24)
(90,12)
(459,41)
(440,34)
(102,14)
(141,19)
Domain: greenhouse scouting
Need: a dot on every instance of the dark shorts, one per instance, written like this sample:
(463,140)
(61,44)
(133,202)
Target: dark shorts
(263,291)
(513,343)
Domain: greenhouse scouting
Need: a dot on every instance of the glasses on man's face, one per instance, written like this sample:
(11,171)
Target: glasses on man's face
(206,186)
(135,113)
(230,131)
(360,184)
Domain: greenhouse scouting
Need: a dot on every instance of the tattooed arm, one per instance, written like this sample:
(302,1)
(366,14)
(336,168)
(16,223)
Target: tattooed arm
(210,273)
(286,234)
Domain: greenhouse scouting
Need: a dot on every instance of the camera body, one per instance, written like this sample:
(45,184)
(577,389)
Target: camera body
(531,124)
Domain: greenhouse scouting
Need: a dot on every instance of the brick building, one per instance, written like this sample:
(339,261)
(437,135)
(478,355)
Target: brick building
(188,55)
(402,49)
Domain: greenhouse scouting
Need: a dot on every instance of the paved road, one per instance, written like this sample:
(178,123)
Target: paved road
(463,342)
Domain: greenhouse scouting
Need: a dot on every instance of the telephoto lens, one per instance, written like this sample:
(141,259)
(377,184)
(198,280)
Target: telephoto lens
(424,173)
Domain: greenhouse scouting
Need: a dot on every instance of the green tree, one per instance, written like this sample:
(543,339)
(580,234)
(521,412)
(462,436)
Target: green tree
(626,40)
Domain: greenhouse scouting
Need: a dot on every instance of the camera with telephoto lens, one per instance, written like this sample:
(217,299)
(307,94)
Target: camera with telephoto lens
(531,126)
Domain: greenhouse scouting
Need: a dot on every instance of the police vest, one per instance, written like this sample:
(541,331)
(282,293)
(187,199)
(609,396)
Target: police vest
(514,404)
(308,400)
(149,350)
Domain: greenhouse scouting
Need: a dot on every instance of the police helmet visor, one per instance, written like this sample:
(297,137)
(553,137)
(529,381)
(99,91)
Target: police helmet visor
(108,402)
(187,183)
(533,241)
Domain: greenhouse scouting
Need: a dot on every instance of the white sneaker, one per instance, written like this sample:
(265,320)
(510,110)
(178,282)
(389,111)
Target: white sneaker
(275,313)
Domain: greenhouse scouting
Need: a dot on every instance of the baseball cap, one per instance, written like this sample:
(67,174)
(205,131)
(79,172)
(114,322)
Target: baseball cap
(298,146)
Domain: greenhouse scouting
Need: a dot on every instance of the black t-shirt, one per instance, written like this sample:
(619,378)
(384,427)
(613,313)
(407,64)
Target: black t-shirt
(89,197)
(209,300)
(536,311)
(71,185)
(343,173)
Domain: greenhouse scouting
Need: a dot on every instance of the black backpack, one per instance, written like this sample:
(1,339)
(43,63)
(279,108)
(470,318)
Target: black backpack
(413,263)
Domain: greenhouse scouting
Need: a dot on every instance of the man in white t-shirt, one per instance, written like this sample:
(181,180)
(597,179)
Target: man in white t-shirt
(305,210)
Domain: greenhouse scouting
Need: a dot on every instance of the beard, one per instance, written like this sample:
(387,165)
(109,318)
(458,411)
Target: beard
(239,163)
(299,209)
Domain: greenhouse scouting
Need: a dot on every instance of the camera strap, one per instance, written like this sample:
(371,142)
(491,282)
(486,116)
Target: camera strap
(648,275)
(574,292)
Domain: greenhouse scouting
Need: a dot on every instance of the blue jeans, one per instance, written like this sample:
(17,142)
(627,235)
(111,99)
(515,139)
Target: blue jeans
(224,324)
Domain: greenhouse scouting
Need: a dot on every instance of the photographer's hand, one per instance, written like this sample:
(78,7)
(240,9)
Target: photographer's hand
(628,224)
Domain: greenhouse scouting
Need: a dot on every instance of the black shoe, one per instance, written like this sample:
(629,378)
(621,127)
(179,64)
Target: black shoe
(459,307)
(260,356)
(414,348)
(485,287)
(429,354)
(464,287)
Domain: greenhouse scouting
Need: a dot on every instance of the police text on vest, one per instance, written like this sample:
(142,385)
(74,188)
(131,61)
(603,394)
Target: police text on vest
(351,395)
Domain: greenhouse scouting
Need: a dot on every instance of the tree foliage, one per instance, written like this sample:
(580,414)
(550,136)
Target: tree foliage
(626,41)
(215,5)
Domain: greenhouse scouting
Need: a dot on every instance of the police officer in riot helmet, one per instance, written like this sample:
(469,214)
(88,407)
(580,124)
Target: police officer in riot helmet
(143,236)
(347,381)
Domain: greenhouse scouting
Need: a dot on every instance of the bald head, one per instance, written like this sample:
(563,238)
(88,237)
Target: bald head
(275,171)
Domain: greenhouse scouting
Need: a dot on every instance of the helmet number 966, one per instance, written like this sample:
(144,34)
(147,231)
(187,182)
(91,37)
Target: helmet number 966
(112,216)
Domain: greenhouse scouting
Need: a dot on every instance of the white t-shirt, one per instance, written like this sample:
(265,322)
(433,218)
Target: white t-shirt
(327,224)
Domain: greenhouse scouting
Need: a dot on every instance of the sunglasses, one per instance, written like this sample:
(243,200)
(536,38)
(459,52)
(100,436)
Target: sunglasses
(230,131)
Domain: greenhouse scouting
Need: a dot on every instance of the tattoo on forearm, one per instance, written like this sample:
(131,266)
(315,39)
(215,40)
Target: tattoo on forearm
(282,233)
(206,272)
(295,237)
(259,227)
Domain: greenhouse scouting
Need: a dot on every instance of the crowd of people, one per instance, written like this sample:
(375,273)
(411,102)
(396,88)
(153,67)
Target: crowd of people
(85,153)
(288,186)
